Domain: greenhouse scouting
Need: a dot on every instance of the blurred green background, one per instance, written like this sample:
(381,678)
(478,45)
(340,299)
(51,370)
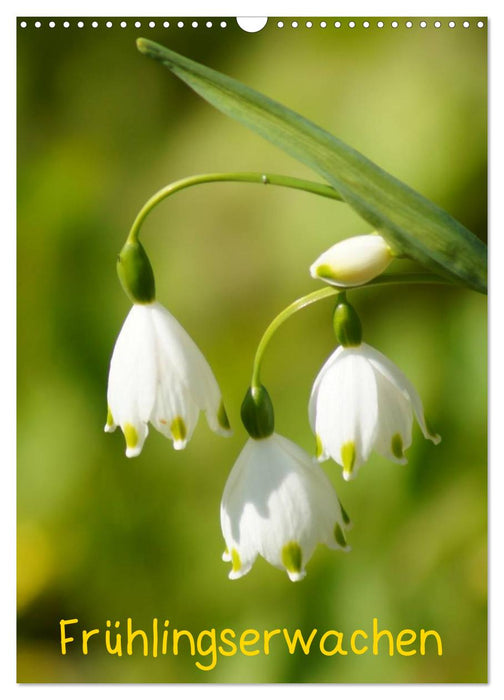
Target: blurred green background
(101,537)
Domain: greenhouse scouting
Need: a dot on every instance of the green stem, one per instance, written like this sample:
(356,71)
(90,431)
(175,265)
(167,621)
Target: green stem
(324,293)
(257,178)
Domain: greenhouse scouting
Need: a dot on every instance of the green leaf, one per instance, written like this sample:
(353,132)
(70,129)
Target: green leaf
(412,225)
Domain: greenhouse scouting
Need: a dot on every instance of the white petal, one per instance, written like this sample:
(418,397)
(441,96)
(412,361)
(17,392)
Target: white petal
(296,576)
(240,543)
(238,573)
(347,410)
(324,506)
(190,365)
(383,365)
(132,376)
(175,413)
(312,406)
(395,420)
(135,434)
(110,425)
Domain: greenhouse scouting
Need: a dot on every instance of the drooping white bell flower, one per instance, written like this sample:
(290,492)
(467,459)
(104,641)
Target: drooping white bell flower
(159,376)
(353,261)
(278,503)
(361,401)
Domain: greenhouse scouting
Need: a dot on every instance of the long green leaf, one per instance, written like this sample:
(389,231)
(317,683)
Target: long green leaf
(413,225)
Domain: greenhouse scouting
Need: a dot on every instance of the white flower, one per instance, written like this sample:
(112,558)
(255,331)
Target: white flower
(158,375)
(278,503)
(361,401)
(353,261)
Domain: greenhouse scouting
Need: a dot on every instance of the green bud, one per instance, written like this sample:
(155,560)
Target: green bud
(257,413)
(135,273)
(347,325)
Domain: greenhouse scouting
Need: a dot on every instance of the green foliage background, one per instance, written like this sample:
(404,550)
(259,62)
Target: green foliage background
(100,537)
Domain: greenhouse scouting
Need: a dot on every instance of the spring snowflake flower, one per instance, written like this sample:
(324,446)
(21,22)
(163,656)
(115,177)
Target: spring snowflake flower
(353,261)
(361,401)
(159,376)
(278,503)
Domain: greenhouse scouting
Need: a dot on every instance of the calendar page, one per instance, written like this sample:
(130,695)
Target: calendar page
(251,349)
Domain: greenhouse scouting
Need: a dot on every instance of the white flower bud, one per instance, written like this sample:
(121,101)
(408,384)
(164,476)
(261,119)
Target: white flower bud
(354,261)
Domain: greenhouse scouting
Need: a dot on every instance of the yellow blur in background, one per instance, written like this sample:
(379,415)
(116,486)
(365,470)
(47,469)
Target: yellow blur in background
(101,537)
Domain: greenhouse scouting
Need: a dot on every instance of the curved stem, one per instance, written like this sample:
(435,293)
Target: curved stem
(277,322)
(324,293)
(257,178)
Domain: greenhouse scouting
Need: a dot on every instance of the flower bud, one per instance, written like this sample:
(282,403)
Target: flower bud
(135,273)
(257,413)
(354,261)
